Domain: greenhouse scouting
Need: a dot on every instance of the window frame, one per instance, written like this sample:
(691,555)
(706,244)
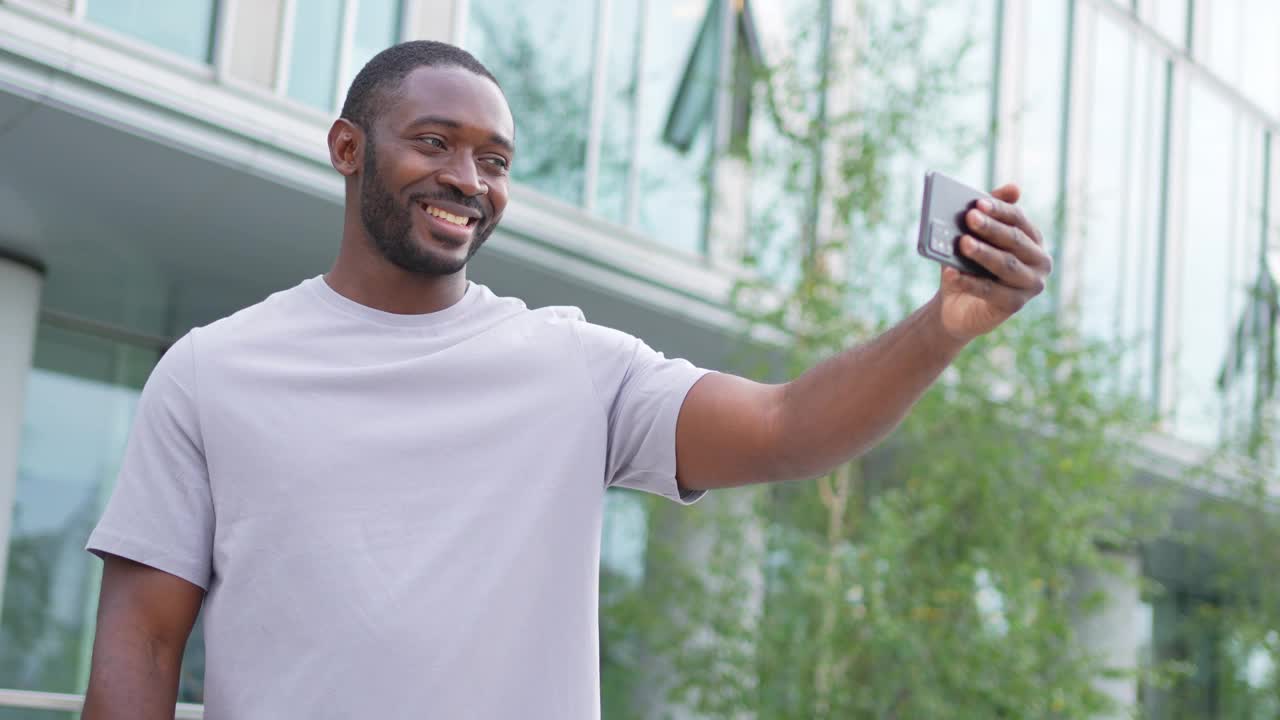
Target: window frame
(75,16)
(350,13)
(1183,67)
(735,16)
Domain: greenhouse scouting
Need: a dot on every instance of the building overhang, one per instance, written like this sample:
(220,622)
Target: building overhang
(162,197)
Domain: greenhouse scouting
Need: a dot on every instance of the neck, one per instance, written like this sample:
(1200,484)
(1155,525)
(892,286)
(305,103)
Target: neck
(373,281)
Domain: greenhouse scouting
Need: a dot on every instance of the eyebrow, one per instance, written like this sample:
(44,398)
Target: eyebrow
(496,138)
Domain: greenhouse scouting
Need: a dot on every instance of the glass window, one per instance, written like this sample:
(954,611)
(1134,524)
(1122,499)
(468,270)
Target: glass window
(377,28)
(624,95)
(548,84)
(1140,234)
(1208,227)
(938,54)
(659,95)
(1117,225)
(1273,207)
(680,71)
(961,149)
(1223,34)
(1040,107)
(80,399)
(1100,225)
(791,46)
(181,26)
(1240,47)
(1168,17)
(1237,376)
(313,64)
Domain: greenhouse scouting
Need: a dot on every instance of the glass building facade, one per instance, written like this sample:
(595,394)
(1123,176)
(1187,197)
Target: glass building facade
(1143,132)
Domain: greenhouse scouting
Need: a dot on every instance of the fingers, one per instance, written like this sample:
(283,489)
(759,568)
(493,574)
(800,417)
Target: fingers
(1007,299)
(1006,214)
(1005,226)
(1004,265)
(1008,237)
(1010,214)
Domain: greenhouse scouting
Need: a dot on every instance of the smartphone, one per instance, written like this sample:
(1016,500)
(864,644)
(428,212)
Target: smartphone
(942,222)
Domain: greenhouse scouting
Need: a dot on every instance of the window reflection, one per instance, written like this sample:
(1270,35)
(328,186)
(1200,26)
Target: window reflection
(675,127)
(658,116)
(1040,107)
(546,83)
(1099,237)
(313,64)
(1250,289)
(184,27)
(1168,17)
(1114,244)
(789,38)
(1223,24)
(958,143)
(625,93)
(1260,78)
(1207,226)
(80,399)
(377,28)
(1140,238)
(656,136)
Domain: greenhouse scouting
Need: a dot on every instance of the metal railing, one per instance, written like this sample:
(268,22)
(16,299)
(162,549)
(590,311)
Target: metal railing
(74,703)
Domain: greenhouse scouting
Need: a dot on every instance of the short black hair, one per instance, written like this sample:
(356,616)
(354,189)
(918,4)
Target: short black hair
(382,75)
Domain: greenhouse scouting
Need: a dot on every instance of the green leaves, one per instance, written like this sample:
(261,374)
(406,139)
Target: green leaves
(933,577)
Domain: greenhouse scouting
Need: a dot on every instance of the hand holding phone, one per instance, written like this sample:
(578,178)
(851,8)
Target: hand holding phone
(1004,263)
(942,222)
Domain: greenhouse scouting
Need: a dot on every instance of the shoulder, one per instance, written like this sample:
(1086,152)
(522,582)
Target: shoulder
(263,318)
(592,338)
(560,319)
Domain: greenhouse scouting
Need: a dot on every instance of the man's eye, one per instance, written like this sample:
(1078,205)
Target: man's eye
(499,162)
(433,141)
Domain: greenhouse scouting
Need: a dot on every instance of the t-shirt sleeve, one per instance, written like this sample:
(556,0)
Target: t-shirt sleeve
(161,512)
(642,392)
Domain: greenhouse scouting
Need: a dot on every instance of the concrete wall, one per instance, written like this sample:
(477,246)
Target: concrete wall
(255,47)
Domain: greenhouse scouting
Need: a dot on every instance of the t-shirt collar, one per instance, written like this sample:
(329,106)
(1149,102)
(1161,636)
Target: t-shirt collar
(321,289)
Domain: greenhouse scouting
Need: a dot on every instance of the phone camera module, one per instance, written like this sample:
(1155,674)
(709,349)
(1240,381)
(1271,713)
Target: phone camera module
(942,238)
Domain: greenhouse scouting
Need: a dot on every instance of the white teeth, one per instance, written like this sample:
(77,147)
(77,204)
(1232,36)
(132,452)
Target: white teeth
(443,215)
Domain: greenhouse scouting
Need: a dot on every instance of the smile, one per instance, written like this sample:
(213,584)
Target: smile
(449,217)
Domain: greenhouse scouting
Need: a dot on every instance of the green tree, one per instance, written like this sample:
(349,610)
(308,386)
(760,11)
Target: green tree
(1228,635)
(935,577)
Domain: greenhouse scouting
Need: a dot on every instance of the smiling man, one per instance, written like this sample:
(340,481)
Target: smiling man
(385,485)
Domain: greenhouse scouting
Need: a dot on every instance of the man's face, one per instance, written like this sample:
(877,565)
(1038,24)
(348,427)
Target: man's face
(435,176)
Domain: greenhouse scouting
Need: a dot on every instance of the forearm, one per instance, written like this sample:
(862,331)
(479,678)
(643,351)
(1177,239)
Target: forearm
(845,405)
(132,677)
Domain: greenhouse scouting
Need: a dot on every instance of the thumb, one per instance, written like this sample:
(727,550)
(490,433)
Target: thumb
(1007,192)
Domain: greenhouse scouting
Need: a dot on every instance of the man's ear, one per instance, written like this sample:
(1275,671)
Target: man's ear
(346,146)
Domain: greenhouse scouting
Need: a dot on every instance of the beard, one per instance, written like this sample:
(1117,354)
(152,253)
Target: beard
(390,224)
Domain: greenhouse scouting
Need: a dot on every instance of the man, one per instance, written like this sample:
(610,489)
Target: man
(385,484)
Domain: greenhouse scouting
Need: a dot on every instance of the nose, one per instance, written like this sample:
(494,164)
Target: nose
(461,174)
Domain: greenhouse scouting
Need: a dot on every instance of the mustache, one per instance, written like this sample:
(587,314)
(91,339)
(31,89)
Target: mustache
(455,196)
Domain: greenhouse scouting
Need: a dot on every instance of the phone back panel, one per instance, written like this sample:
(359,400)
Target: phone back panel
(942,222)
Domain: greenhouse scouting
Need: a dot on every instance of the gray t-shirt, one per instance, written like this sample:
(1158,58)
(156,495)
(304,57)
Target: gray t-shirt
(394,516)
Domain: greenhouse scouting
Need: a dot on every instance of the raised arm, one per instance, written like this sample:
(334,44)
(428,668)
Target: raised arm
(733,431)
(144,619)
